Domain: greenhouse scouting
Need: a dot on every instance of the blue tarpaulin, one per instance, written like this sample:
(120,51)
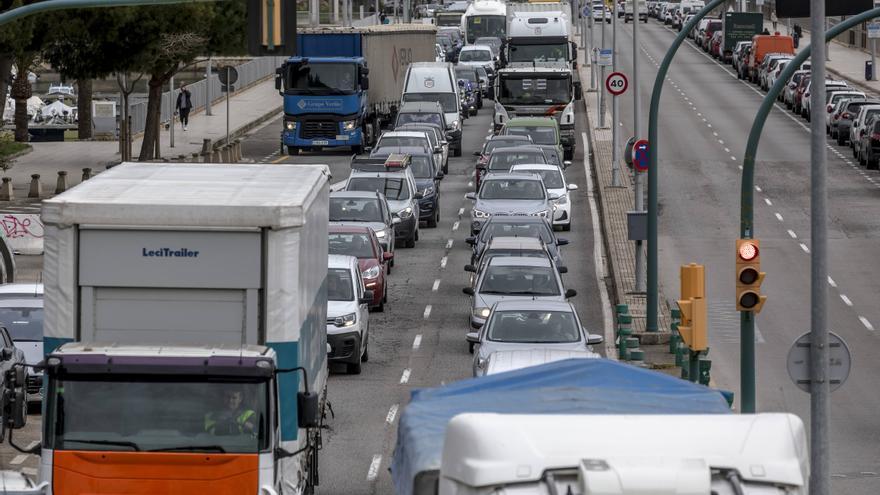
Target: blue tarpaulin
(572,386)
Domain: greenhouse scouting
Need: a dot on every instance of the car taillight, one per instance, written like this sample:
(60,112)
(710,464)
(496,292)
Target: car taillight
(830,108)
(846,115)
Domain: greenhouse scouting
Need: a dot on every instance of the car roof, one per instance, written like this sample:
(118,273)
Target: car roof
(534,166)
(519,261)
(508,176)
(475,47)
(510,242)
(403,134)
(531,304)
(348,229)
(341,261)
(508,137)
(516,149)
(407,150)
(356,194)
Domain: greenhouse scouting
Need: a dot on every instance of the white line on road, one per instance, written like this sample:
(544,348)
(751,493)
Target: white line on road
(778,216)
(373,472)
(846,300)
(866,323)
(805,248)
(449,244)
(405,376)
(727,150)
(18,459)
(769,203)
(470,184)
(757,189)
(721,142)
(460,212)
(443,262)
(732,157)
(455,226)
(392,413)
(831,282)
(436,285)
(417,341)
(427,313)
(792,234)
(714,133)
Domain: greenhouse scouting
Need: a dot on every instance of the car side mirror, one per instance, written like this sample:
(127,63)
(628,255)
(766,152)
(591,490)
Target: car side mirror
(471,195)
(395,220)
(471,240)
(470,268)
(570,293)
(440,176)
(468,290)
(367,298)
(572,187)
(562,242)
(365,83)
(386,256)
(449,136)
(418,195)
(477,153)
(566,164)
(562,269)
(594,339)
(473,337)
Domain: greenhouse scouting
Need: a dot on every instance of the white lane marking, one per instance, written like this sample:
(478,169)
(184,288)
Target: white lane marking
(866,323)
(18,459)
(732,157)
(757,189)
(846,300)
(29,471)
(714,133)
(709,126)
(805,248)
(455,226)
(427,313)
(470,184)
(727,150)
(721,142)
(392,413)
(598,256)
(373,472)
(831,282)
(769,203)
(449,244)
(417,342)
(405,376)
(460,211)
(792,234)
(436,285)
(443,262)
(778,216)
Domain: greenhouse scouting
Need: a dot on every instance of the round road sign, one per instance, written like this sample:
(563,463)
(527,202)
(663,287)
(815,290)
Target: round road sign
(227,75)
(640,155)
(839,361)
(616,83)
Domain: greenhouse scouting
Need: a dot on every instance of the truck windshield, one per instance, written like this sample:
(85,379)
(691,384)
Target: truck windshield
(446,100)
(535,91)
(449,19)
(321,78)
(24,324)
(555,52)
(486,25)
(132,413)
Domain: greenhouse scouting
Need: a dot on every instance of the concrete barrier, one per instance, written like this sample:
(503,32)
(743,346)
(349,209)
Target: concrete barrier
(36,189)
(61,183)
(6,190)
(87,174)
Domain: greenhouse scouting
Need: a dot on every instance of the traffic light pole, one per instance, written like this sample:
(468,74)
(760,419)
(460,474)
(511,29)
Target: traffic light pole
(51,5)
(747,199)
(653,178)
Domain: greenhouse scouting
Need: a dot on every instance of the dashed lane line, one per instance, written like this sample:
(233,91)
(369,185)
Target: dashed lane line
(778,216)
(427,313)
(792,234)
(436,285)
(392,413)
(846,300)
(805,248)
(417,342)
(443,261)
(449,244)
(404,378)
(769,203)
(831,282)
(455,226)
(373,472)
(866,323)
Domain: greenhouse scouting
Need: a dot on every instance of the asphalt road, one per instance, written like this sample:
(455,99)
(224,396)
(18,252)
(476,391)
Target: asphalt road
(705,117)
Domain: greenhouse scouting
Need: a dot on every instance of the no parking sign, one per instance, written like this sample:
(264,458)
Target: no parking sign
(640,155)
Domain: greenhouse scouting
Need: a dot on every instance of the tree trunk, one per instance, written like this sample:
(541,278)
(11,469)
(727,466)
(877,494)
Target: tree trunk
(21,91)
(84,107)
(154,115)
(5,74)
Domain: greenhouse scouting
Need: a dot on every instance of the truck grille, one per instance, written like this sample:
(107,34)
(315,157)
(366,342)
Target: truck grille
(312,129)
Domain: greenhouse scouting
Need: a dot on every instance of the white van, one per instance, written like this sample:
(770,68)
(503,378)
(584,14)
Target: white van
(436,81)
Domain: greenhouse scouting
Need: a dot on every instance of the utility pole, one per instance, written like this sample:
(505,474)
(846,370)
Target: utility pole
(820,445)
(171,109)
(208,86)
(637,127)
(406,11)
(615,142)
(601,82)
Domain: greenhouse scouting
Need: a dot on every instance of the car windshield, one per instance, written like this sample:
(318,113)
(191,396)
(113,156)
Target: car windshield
(552,178)
(504,160)
(525,280)
(512,189)
(126,412)
(539,134)
(24,324)
(422,167)
(475,56)
(392,187)
(552,155)
(466,73)
(481,72)
(446,100)
(535,91)
(402,141)
(533,327)
(321,78)
(339,286)
(357,245)
(498,228)
(419,118)
(355,210)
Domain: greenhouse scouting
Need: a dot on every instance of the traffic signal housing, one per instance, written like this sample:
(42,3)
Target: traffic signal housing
(271,27)
(692,305)
(749,276)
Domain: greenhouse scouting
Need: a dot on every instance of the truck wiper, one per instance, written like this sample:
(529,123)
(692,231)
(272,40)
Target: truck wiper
(212,448)
(120,443)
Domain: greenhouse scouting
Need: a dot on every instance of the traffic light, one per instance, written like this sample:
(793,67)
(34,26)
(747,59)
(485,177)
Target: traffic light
(271,27)
(694,314)
(749,276)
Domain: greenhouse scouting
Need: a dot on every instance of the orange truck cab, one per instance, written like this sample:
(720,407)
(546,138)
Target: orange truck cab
(186,330)
(762,44)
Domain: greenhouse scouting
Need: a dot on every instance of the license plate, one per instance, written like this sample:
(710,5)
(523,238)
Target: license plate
(320,143)
(341,137)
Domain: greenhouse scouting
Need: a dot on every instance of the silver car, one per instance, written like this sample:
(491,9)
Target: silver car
(516,278)
(510,194)
(522,325)
(369,209)
(21,312)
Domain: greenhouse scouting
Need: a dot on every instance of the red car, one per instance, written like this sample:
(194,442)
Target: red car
(362,243)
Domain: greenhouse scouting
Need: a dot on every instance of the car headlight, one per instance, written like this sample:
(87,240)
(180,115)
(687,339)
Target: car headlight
(542,213)
(349,125)
(481,312)
(290,125)
(428,191)
(371,272)
(345,320)
(380,234)
(480,213)
(563,200)
(405,213)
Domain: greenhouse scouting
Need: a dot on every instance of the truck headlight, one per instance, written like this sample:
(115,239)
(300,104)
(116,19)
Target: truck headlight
(345,320)
(568,115)
(481,312)
(405,213)
(290,125)
(371,272)
(480,213)
(349,125)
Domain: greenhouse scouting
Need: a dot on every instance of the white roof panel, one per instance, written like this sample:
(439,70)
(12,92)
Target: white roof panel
(191,194)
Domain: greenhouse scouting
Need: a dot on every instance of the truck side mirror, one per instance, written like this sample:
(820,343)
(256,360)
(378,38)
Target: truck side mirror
(307,410)
(279,73)
(578,91)
(365,83)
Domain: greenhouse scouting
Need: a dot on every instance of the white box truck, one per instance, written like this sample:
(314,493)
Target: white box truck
(185,326)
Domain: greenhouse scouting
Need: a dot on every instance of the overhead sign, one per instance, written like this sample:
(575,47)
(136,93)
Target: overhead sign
(640,152)
(801,8)
(616,83)
(839,362)
(873,30)
(605,56)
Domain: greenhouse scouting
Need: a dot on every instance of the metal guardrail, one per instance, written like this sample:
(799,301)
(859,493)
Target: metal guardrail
(248,73)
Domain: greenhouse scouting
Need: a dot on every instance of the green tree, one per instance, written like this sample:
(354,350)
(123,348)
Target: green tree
(21,41)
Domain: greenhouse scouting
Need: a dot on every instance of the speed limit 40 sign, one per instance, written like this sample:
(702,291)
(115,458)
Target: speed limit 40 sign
(616,83)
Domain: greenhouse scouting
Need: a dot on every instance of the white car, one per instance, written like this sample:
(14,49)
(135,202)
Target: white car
(348,316)
(859,124)
(478,56)
(554,181)
(21,312)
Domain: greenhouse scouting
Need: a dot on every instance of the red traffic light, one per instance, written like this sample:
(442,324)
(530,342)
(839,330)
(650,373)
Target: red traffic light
(748,251)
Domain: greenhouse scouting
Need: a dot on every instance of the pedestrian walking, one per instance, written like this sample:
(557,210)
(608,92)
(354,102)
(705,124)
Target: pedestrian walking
(774,20)
(797,35)
(184,105)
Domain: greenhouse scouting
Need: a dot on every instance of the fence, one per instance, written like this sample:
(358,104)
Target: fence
(248,74)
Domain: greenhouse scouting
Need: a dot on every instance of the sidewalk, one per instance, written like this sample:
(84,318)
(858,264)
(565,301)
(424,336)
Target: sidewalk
(248,108)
